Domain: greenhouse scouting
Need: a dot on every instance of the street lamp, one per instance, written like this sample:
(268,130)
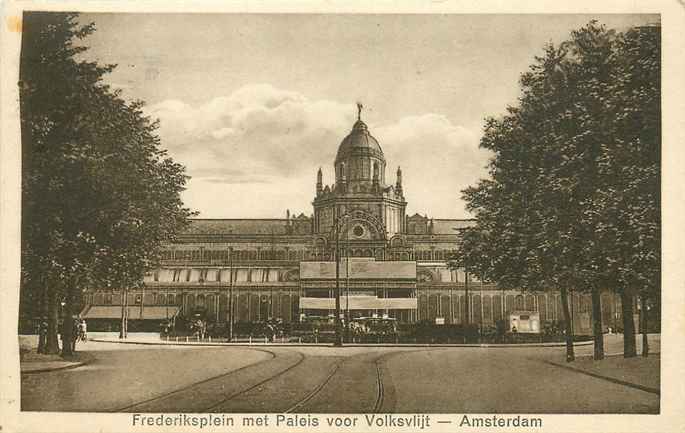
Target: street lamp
(338,324)
(230,294)
(465,319)
(124,313)
(347,285)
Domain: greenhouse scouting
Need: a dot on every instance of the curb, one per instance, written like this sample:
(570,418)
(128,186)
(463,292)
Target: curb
(607,355)
(208,344)
(607,378)
(63,367)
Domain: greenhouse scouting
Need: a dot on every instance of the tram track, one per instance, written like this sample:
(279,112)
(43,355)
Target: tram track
(317,389)
(256,385)
(375,403)
(187,388)
(381,392)
(379,385)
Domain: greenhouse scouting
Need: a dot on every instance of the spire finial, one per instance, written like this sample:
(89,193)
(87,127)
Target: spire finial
(359,110)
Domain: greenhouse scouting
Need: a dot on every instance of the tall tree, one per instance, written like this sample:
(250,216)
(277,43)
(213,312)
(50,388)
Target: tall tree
(573,194)
(99,194)
(628,205)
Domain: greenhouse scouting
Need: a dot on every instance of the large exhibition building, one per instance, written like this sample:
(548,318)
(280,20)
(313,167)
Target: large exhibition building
(391,264)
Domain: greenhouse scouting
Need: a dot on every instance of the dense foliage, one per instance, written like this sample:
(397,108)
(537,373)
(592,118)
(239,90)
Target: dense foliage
(99,194)
(572,202)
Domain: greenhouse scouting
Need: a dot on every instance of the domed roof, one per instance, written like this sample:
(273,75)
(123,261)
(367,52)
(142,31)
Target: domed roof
(359,142)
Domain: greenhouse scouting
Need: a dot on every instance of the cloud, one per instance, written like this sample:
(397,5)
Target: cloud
(258,128)
(263,144)
(438,160)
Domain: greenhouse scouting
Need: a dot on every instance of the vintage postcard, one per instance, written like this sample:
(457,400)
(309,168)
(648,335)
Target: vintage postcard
(337,217)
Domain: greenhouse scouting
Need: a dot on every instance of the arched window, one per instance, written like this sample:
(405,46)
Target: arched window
(518,302)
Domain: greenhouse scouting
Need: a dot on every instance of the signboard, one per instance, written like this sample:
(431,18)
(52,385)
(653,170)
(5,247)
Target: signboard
(439,320)
(359,303)
(525,322)
(359,269)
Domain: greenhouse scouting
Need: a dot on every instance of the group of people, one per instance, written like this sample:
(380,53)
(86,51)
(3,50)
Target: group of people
(79,333)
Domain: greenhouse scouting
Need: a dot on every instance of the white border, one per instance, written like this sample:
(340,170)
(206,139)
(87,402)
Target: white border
(673,117)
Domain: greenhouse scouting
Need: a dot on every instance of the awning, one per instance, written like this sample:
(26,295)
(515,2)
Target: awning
(359,303)
(134,312)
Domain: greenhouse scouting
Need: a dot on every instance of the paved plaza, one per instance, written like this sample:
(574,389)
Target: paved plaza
(316,379)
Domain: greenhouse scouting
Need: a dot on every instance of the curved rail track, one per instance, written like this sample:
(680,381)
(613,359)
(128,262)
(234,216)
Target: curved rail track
(378,401)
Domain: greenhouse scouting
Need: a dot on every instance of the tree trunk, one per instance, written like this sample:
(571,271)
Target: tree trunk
(52,347)
(643,325)
(67,329)
(629,346)
(597,324)
(570,355)
(124,298)
(42,314)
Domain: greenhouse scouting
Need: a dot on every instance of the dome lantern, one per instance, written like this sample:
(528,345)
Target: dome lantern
(358,154)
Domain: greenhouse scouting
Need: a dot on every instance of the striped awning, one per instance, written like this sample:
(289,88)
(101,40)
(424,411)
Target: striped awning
(134,312)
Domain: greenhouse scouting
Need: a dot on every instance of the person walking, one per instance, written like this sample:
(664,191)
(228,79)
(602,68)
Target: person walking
(83,331)
(43,336)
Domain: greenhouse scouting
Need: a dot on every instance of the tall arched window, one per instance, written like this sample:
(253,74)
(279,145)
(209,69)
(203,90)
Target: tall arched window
(518,302)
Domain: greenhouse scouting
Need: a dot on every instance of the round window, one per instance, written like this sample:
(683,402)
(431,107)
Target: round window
(358,231)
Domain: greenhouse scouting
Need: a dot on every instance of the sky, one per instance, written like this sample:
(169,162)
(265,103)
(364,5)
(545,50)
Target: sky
(253,104)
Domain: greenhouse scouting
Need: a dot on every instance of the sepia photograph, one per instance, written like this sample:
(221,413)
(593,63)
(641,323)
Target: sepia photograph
(393,215)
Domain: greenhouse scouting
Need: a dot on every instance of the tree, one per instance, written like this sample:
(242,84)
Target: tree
(99,194)
(572,201)
(507,241)
(628,208)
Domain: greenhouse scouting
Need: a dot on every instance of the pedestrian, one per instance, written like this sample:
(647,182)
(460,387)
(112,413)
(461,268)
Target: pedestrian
(43,336)
(83,330)
(61,332)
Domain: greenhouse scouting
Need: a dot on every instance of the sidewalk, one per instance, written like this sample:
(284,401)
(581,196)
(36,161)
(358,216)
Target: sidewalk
(32,362)
(182,341)
(638,372)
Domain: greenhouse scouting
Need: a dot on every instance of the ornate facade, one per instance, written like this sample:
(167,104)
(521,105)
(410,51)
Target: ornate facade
(285,268)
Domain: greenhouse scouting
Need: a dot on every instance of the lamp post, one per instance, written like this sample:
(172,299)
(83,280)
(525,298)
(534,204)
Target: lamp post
(230,294)
(338,333)
(465,320)
(347,285)
(338,323)
(124,313)
(467,307)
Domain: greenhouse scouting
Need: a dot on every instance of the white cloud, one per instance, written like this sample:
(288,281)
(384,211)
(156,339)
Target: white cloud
(438,160)
(255,152)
